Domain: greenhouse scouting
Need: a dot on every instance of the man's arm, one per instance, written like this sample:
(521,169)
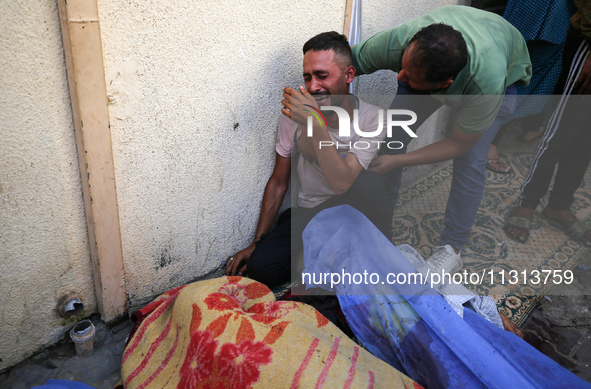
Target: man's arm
(306,149)
(272,199)
(455,146)
(340,173)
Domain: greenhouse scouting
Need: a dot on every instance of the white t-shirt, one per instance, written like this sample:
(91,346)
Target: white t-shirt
(314,189)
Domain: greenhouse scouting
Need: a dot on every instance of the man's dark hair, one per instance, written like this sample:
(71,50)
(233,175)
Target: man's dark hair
(439,51)
(331,41)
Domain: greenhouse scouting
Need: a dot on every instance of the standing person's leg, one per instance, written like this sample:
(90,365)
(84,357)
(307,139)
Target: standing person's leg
(560,131)
(536,123)
(572,167)
(493,161)
(468,180)
(554,145)
(571,171)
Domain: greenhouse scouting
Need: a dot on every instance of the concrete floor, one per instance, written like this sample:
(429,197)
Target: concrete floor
(100,370)
(560,327)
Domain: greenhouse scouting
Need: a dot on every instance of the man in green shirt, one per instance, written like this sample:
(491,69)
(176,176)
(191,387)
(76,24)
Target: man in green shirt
(457,56)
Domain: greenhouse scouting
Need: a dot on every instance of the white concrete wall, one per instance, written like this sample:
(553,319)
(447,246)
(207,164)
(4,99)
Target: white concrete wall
(194,89)
(195,92)
(43,239)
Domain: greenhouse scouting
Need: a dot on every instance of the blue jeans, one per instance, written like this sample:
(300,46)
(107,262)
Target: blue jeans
(469,172)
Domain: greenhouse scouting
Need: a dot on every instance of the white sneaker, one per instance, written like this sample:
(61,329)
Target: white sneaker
(444,258)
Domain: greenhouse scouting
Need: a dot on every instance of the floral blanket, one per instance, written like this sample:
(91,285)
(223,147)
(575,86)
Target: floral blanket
(230,332)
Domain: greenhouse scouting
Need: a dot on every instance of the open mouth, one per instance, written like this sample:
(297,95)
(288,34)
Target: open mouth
(321,98)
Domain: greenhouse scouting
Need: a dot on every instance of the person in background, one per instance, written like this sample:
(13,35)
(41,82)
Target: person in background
(466,58)
(566,143)
(544,25)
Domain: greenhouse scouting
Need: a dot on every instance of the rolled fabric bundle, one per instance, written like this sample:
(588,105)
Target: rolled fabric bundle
(229,332)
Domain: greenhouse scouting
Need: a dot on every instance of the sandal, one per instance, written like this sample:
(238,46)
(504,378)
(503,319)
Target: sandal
(497,166)
(574,230)
(518,221)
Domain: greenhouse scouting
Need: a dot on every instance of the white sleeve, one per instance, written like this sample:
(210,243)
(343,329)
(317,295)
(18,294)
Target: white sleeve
(283,145)
(369,122)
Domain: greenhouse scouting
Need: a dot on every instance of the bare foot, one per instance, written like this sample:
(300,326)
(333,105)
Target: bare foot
(517,233)
(493,153)
(494,163)
(510,326)
(565,218)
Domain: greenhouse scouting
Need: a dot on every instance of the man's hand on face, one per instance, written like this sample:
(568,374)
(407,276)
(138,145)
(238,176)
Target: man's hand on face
(293,107)
(235,265)
(295,104)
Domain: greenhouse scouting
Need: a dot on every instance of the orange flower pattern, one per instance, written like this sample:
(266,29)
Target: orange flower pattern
(231,297)
(241,362)
(198,363)
(234,366)
(229,334)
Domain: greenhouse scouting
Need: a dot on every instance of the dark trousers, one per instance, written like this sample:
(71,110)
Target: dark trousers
(270,262)
(566,141)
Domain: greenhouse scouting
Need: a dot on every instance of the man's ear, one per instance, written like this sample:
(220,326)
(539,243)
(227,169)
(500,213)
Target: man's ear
(446,83)
(350,73)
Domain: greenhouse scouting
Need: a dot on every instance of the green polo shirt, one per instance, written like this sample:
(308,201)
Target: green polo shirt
(497,58)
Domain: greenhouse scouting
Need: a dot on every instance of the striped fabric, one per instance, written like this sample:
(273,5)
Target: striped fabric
(576,67)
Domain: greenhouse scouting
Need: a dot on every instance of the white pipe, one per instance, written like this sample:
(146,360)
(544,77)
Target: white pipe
(355,34)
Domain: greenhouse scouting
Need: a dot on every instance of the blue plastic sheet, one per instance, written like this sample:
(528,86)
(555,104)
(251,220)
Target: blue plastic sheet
(411,326)
(63,384)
